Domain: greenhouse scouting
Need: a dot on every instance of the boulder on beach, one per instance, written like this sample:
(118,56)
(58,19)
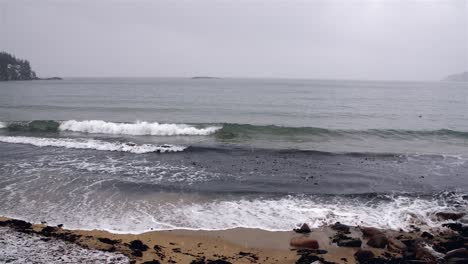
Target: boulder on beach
(303,229)
(304,242)
(363,255)
(378,241)
(371,231)
(395,245)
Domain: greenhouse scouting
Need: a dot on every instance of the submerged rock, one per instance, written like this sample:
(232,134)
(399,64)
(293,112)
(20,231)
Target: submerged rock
(457,253)
(449,215)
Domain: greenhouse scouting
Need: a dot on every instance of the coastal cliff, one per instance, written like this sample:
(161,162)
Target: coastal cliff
(12,68)
(15,69)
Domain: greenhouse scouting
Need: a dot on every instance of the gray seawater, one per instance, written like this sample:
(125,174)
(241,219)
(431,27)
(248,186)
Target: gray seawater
(130,155)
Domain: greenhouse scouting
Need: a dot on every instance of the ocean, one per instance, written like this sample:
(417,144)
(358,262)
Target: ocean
(138,154)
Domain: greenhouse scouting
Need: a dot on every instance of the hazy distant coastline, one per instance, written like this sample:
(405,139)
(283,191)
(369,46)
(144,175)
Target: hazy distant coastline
(204,77)
(459,77)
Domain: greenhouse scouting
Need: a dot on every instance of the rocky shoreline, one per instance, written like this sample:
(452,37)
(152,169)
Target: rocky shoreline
(337,243)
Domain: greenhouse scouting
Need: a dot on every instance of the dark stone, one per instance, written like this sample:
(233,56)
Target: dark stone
(304,229)
(19,225)
(363,255)
(307,259)
(422,253)
(137,253)
(449,215)
(457,261)
(457,253)
(152,262)
(371,231)
(48,230)
(395,245)
(378,241)
(60,225)
(218,261)
(340,227)
(304,242)
(108,241)
(248,254)
(339,237)
(454,226)
(138,245)
(350,243)
(427,235)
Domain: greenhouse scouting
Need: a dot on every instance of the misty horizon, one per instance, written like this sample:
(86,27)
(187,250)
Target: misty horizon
(352,40)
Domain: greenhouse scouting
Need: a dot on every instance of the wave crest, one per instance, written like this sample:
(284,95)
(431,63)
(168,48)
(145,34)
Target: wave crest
(138,128)
(90,144)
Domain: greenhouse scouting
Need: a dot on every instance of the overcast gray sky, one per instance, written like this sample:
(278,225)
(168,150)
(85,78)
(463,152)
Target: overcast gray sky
(348,39)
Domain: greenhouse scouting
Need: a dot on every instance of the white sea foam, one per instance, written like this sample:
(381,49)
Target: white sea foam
(90,144)
(268,214)
(19,248)
(3,125)
(138,128)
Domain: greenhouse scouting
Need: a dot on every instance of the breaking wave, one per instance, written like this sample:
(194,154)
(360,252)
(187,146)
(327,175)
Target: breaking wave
(138,128)
(221,131)
(90,144)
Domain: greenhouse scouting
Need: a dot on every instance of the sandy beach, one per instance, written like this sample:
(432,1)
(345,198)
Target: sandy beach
(336,243)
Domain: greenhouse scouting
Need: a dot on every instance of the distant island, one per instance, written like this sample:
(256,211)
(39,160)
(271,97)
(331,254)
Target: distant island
(460,77)
(14,69)
(204,77)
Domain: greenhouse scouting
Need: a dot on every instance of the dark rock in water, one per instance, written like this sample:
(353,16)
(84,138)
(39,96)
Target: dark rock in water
(370,231)
(454,226)
(422,253)
(303,229)
(457,253)
(449,215)
(340,227)
(350,243)
(427,235)
(363,255)
(457,261)
(408,242)
(138,245)
(395,245)
(378,241)
(108,241)
(304,242)
(152,262)
(451,243)
(60,225)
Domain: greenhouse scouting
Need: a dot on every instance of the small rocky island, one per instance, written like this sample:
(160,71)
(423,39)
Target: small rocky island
(460,77)
(15,69)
